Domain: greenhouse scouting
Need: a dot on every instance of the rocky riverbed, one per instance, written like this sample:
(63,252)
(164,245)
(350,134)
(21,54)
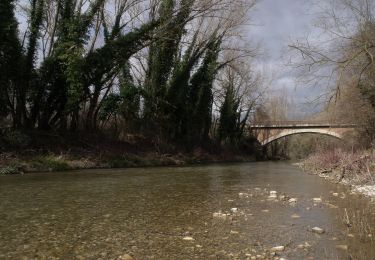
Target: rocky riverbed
(235,211)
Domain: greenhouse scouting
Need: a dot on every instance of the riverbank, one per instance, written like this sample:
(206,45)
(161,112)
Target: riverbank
(41,152)
(355,169)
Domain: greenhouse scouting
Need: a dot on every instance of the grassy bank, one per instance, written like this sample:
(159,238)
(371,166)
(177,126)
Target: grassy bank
(45,152)
(352,168)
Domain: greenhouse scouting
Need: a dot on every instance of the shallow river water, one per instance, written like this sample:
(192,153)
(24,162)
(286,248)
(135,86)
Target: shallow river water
(205,212)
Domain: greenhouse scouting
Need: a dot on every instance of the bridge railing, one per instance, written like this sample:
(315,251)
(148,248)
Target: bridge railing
(300,122)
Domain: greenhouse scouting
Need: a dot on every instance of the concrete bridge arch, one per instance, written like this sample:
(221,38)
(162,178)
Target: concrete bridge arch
(289,132)
(271,131)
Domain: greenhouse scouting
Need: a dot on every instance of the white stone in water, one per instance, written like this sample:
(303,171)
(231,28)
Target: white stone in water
(295,216)
(277,248)
(219,215)
(272,192)
(188,239)
(335,194)
(125,257)
(342,247)
(317,200)
(304,246)
(318,230)
(234,210)
(241,195)
(292,200)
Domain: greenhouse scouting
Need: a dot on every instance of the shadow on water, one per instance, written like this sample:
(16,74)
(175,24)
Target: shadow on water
(167,213)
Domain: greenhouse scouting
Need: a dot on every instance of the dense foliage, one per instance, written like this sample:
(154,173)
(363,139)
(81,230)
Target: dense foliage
(149,69)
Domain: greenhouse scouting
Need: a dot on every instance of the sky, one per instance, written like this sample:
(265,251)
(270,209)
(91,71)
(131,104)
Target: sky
(275,24)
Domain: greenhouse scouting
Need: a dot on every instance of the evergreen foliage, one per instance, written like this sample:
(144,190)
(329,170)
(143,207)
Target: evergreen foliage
(82,76)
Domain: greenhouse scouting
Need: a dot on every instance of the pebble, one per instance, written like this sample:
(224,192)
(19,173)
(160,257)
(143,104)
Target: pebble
(331,206)
(219,215)
(277,248)
(317,200)
(234,232)
(342,247)
(265,210)
(188,239)
(234,210)
(125,257)
(292,200)
(335,194)
(304,246)
(318,230)
(295,216)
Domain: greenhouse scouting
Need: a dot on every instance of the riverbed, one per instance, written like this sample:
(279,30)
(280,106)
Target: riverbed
(260,210)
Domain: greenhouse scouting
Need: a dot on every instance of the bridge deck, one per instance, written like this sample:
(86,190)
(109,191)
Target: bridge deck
(301,126)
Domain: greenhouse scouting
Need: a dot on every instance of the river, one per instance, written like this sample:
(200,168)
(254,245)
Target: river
(203,212)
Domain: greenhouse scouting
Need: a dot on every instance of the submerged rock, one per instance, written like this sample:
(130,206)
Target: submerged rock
(295,216)
(125,257)
(304,246)
(188,239)
(317,200)
(318,230)
(277,248)
(342,247)
(219,215)
(234,210)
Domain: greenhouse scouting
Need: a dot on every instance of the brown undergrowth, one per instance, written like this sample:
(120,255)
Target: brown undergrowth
(350,167)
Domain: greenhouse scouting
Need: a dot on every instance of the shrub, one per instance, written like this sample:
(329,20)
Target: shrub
(50,163)
(11,169)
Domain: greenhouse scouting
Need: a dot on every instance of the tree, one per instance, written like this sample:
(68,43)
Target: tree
(348,27)
(11,59)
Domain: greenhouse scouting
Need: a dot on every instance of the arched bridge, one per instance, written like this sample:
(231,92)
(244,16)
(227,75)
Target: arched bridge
(269,132)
